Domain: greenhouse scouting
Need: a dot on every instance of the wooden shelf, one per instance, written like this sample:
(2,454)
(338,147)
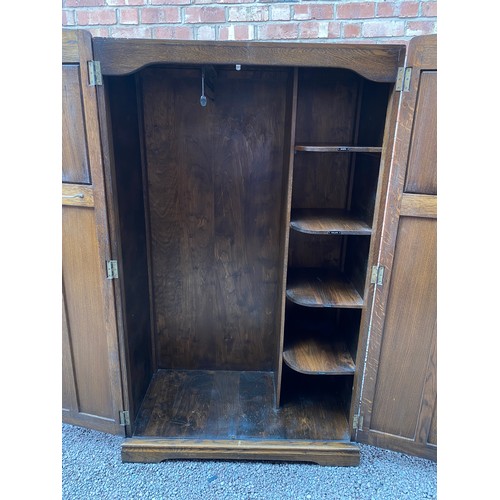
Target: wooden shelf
(316,355)
(328,221)
(335,148)
(321,288)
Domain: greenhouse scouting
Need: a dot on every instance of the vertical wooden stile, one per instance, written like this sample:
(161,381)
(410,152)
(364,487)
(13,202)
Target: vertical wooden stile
(352,163)
(289,156)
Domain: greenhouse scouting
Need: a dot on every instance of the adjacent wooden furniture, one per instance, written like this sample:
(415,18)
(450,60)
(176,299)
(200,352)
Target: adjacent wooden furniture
(240,267)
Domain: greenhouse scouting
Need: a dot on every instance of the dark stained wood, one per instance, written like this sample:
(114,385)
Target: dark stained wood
(355,266)
(123,56)
(239,405)
(88,295)
(328,221)
(321,288)
(421,175)
(383,198)
(320,91)
(242,292)
(326,453)
(315,250)
(327,237)
(213,176)
(373,111)
(329,323)
(314,355)
(365,183)
(325,148)
(126,180)
(286,196)
(75,167)
(322,180)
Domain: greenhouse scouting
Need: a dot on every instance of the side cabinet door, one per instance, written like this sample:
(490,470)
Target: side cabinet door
(397,398)
(91,379)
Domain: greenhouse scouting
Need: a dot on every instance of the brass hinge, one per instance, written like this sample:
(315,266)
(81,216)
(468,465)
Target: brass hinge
(95,75)
(357,422)
(112,269)
(124,417)
(403,79)
(377,275)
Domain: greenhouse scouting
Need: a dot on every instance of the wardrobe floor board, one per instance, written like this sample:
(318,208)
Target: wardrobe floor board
(234,405)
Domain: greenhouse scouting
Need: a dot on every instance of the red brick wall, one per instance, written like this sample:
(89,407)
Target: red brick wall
(344,20)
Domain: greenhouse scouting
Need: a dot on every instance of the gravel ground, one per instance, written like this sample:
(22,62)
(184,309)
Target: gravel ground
(92,468)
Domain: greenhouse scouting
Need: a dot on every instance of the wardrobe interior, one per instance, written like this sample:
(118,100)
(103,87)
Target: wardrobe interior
(245,222)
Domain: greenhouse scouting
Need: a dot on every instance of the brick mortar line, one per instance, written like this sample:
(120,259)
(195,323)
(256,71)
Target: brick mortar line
(288,21)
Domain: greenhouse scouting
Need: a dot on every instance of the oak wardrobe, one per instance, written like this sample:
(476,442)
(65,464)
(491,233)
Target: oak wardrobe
(249,247)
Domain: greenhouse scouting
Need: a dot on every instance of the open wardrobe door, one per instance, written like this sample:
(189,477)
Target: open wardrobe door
(91,381)
(395,405)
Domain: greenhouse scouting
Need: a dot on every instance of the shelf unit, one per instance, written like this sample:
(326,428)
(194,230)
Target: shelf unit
(328,221)
(334,179)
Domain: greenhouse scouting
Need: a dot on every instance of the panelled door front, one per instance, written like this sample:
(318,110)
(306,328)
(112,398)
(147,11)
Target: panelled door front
(91,380)
(397,395)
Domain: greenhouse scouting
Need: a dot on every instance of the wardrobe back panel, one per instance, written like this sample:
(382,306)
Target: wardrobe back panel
(326,113)
(214,189)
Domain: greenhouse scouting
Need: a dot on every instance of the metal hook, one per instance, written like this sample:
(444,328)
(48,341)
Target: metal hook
(203,98)
(208,77)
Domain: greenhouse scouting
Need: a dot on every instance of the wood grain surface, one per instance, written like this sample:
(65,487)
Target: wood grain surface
(401,338)
(321,288)
(91,322)
(85,314)
(79,195)
(419,205)
(286,197)
(128,209)
(215,175)
(329,453)
(421,174)
(314,355)
(331,148)
(239,405)
(328,221)
(403,359)
(121,56)
(322,180)
(75,166)
(70,52)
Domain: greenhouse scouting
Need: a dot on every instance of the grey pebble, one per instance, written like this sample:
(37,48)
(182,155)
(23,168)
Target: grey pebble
(92,468)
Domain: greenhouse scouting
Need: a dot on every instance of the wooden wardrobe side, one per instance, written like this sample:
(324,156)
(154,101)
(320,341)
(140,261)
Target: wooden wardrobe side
(91,381)
(396,396)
